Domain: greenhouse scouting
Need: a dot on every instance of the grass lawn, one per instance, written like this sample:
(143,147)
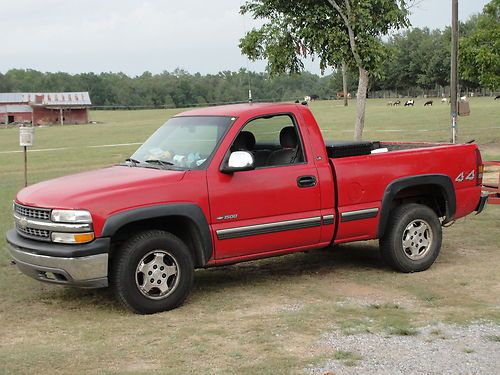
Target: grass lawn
(265,316)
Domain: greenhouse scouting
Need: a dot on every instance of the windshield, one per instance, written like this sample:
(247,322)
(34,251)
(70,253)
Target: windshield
(182,143)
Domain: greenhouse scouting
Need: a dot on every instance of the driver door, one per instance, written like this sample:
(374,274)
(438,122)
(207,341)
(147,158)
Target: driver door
(270,208)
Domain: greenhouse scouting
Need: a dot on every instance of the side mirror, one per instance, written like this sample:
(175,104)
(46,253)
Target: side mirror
(238,161)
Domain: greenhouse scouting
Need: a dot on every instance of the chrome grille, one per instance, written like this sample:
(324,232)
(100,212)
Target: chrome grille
(31,212)
(39,234)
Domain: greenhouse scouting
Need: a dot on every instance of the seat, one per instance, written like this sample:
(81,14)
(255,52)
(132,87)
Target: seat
(261,157)
(245,141)
(289,151)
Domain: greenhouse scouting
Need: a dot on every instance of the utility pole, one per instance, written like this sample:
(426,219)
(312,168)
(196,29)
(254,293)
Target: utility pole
(454,70)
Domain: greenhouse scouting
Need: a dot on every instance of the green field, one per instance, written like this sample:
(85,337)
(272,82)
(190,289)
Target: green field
(258,317)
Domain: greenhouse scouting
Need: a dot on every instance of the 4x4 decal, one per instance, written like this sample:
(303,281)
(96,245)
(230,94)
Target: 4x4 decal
(470,177)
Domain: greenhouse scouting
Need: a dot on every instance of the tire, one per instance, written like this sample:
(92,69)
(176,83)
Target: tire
(152,272)
(413,237)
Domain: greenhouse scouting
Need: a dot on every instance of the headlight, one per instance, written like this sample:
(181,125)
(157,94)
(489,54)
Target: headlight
(72,237)
(71,216)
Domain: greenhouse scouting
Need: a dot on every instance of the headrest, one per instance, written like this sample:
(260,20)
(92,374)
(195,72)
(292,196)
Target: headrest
(288,137)
(245,141)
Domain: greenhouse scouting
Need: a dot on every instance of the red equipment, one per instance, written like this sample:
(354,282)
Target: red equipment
(491,187)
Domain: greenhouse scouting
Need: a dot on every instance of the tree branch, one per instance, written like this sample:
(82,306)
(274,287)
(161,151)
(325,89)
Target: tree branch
(350,31)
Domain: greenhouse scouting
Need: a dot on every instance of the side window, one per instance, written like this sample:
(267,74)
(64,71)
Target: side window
(272,140)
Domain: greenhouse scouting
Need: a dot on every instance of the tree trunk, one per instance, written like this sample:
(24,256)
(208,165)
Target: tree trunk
(361,103)
(344,83)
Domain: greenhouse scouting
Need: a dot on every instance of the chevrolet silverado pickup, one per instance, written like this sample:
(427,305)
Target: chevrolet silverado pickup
(227,184)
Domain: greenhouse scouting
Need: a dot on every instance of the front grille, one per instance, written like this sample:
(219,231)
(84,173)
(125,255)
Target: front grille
(39,234)
(31,212)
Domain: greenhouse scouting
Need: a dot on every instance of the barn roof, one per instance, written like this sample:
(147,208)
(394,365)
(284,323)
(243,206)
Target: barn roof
(47,99)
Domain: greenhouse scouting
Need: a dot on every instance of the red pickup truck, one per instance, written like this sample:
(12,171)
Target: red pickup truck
(227,184)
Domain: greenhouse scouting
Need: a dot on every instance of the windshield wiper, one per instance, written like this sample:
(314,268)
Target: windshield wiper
(134,162)
(163,163)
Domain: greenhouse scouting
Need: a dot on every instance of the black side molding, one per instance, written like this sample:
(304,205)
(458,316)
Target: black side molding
(187,210)
(440,180)
(359,214)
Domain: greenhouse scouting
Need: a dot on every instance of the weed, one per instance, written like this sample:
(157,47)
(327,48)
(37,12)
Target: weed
(403,331)
(348,358)
(494,338)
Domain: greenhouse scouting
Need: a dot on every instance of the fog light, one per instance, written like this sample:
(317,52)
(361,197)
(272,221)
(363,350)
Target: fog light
(72,237)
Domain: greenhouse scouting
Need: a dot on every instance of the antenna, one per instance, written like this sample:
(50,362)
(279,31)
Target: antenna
(250,99)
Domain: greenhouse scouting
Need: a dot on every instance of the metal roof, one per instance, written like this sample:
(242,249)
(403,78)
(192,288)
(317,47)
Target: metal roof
(47,99)
(15,108)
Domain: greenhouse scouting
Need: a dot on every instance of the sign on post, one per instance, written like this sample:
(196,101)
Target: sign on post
(26,135)
(463,108)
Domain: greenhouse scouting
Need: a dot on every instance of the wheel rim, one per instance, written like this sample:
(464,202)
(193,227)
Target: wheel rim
(157,274)
(417,239)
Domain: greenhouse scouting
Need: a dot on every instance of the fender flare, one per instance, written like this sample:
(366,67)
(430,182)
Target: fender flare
(441,180)
(190,211)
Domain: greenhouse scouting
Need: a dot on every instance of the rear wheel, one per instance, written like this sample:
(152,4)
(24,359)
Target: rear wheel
(413,238)
(152,272)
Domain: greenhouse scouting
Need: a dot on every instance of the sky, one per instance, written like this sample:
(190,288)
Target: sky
(133,36)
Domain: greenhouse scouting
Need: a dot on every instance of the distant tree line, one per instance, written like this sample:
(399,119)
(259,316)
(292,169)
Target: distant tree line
(418,63)
(169,89)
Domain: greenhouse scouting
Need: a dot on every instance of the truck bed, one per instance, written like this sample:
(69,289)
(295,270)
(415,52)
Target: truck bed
(362,180)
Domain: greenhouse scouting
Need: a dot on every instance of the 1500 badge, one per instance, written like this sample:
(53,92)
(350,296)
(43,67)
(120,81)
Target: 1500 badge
(470,176)
(227,217)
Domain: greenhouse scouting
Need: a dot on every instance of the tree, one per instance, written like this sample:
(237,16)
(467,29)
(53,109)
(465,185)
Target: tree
(480,50)
(344,83)
(334,31)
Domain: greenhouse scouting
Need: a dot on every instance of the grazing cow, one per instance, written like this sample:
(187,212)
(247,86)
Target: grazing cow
(409,103)
(397,102)
(429,102)
(444,100)
(497,97)
(463,98)
(340,95)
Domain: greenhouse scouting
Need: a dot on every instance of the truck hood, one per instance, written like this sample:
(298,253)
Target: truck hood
(97,189)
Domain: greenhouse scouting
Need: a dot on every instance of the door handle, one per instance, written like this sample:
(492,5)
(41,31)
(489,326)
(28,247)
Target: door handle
(306,181)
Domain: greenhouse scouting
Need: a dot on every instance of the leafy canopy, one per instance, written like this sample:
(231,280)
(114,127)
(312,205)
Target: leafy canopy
(296,29)
(480,50)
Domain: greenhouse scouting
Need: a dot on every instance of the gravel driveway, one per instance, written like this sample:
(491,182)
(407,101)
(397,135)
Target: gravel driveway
(437,349)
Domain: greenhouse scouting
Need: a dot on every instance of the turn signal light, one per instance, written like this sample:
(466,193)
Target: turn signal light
(72,237)
(480,168)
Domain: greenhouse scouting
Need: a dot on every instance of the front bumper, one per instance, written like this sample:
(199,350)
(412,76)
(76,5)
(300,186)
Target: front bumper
(84,266)
(482,203)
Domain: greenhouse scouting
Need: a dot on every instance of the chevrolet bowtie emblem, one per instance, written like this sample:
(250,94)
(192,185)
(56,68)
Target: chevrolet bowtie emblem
(23,223)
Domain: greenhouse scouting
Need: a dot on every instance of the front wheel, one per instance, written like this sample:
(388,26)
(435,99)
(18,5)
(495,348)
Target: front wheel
(152,272)
(413,238)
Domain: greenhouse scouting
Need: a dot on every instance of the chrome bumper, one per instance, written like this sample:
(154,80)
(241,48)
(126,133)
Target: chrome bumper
(85,272)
